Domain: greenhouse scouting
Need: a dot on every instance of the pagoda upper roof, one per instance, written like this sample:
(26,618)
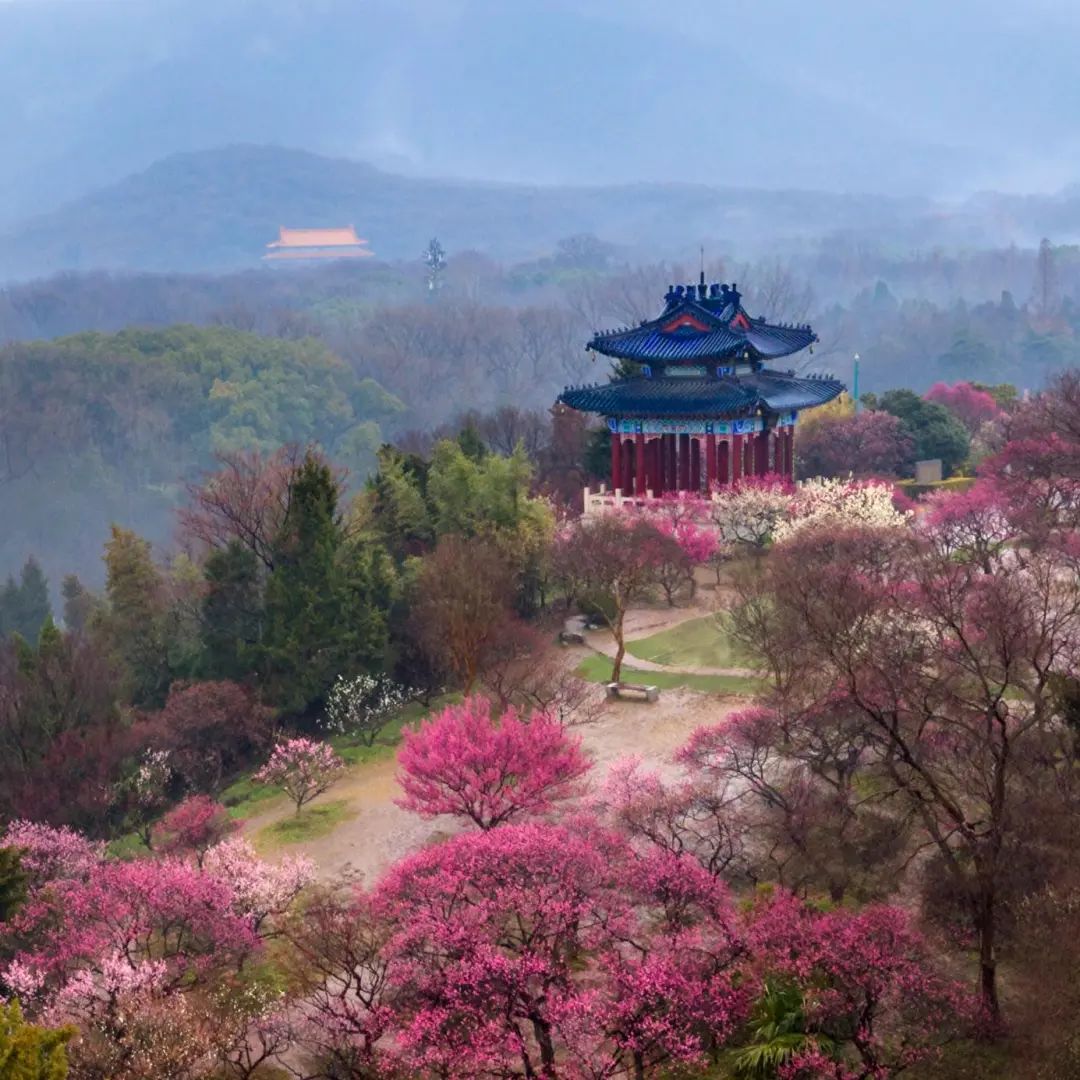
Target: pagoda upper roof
(703,322)
(732,395)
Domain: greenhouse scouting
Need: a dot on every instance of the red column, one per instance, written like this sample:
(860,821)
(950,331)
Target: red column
(671,463)
(723,462)
(616,460)
(789,453)
(710,461)
(654,466)
(684,462)
(639,464)
(695,464)
(761,453)
(627,467)
(736,458)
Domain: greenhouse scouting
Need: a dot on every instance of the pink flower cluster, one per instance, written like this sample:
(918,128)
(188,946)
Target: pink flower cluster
(467,763)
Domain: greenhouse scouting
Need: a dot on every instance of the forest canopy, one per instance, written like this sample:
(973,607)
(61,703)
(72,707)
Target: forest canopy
(96,428)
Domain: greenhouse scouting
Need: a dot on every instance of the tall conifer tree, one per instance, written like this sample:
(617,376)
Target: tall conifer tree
(327,598)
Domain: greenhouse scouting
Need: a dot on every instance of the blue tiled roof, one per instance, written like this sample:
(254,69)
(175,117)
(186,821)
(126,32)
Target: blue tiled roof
(733,395)
(728,332)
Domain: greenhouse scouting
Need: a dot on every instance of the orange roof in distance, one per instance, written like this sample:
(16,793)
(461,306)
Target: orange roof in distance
(317,243)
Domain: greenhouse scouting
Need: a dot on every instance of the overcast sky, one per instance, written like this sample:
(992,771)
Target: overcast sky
(942,97)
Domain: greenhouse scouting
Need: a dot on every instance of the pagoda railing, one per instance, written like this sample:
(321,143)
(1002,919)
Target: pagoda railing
(600,500)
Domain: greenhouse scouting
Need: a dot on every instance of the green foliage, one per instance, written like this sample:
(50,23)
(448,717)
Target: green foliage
(471,444)
(1005,395)
(598,454)
(400,515)
(135,620)
(778,1031)
(107,427)
(25,607)
(28,1052)
(80,605)
(232,611)
(471,495)
(326,599)
(13,881)
(937,433)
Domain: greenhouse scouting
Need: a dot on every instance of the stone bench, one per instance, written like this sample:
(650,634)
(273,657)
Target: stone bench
(571,637)
(621,689)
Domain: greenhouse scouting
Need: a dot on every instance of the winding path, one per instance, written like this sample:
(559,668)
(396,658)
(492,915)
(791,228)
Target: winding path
(376,832)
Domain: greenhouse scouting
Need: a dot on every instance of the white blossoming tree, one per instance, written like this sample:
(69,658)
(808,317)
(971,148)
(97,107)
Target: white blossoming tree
(360,707)
(748,513)
(840,503)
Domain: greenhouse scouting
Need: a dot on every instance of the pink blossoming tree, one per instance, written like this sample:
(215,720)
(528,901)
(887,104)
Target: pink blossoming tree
(466,763)
(302,768)
(619,556)
(870,991)
(194,826)
(48,854)
(544,950)
(971,406)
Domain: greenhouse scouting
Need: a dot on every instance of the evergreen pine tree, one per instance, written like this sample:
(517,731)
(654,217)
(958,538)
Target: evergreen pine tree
(326,600)
(80,604)
(32,606)
(232,611)
(9,606)
(472,445)
(135,620)
(12,882)
(29,1052)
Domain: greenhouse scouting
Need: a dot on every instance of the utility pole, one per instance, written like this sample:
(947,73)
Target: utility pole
(855,384)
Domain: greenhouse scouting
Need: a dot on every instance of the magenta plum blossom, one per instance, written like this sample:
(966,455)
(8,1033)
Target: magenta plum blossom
(467,763)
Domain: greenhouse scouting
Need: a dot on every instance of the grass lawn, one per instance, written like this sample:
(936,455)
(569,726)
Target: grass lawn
(311,822)
(245,798)
(598,669)
(694,643)
(354,752)
(127,846)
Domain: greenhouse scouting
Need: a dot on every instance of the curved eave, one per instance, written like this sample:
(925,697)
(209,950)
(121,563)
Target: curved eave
(769,391)
(648,344)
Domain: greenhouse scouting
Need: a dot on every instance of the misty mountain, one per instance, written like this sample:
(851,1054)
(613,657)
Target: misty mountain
(773,95)
(216,210)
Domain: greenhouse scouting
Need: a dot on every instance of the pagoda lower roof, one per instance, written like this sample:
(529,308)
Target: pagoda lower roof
(733,395)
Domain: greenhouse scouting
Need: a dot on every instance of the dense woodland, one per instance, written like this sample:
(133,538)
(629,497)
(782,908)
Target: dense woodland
(261,525)
(867,872)
(112,422)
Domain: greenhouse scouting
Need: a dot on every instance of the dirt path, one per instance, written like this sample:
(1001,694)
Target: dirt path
(377,833)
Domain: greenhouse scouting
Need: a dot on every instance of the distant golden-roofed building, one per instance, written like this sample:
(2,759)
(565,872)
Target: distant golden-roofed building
(299,244)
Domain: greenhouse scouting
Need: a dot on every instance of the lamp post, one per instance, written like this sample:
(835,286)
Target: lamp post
(855,384)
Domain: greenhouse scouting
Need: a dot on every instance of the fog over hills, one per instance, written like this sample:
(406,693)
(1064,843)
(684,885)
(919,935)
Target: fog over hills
(943,101)
(215,210)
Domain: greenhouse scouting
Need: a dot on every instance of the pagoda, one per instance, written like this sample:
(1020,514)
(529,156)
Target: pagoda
(694,404)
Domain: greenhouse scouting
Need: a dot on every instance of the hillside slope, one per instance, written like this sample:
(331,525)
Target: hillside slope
(216,210)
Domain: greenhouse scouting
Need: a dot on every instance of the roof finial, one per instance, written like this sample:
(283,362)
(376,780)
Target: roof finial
(702,279)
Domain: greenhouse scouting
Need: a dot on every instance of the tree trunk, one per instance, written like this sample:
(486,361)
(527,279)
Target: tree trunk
(542,1032)
(620,649)
(986,928)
